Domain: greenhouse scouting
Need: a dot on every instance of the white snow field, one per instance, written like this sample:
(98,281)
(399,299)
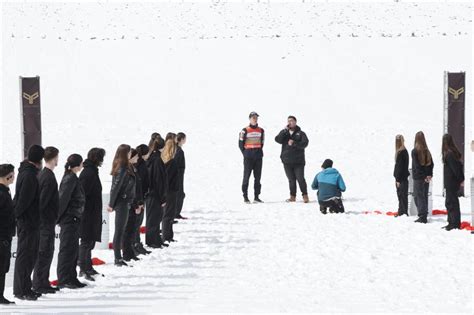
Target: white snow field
(354,74)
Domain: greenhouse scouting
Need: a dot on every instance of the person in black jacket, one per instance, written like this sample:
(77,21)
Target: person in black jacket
(453,180)
(251,141)
(422,168)
(122,195)
(401,174)
(27,215)
(142,169)
(71,207)
(171,167)
(293,144)
(135,210)
(156,199)
(91,222)
(7,225)
(181,161)
(49,208)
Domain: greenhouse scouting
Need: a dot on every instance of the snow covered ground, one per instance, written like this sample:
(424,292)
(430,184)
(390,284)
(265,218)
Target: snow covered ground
(354,75)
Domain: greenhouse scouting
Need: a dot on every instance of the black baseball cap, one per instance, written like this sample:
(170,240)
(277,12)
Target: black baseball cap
(253,114)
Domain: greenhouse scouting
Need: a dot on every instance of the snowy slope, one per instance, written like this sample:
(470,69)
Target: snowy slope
(353,74)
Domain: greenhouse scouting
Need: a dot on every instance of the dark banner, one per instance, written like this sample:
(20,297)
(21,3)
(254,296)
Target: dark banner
(31,112)
(456,110)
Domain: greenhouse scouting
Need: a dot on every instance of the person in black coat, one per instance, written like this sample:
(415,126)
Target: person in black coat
(49,208)
(27,215)
(122,195)
(91,222)
(401,174)
(422,168)
(453,171)
(251,141)
(7,225)
(71,207)
(135,210)
(171,167)
(142,170)
(156,199)
(181,161)
(293,144)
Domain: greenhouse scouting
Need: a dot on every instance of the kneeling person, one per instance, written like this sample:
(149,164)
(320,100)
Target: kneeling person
(329,184)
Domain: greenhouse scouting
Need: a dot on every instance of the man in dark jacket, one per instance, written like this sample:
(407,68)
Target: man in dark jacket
(27,215)
(181,161)
(293,144)
(91,222)
(251,141)
(49,208)
(7,225)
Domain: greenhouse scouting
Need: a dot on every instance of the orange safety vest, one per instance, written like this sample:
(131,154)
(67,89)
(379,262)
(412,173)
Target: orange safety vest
(254,138)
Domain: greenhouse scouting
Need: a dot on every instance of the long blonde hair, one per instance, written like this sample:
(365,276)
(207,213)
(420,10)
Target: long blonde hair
(168,151)
(399,145)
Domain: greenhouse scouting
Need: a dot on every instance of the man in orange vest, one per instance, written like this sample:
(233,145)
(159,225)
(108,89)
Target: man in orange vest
(251,142)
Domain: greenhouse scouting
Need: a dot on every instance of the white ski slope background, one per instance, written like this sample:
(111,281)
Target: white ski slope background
(354,74)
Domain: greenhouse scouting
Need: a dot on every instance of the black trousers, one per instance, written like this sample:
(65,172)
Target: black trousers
(84,261)
(255,166)
(45,256)
(181,195)
(454,210)
(26,255)
(5,256)
(138,225)
(294,173)
(129,235)
(169,215)
(154,215)
(420,195)
(402,194)
(334,205)
(68,250)
(121,217)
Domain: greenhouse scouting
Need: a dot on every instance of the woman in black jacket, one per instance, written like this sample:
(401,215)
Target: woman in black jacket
(7,224)
(142,169)
(401,174)
(71,208)
(171,168)
(91,223)
(453,180)
(156,199)
(422,168)
(122,195)
(135,210)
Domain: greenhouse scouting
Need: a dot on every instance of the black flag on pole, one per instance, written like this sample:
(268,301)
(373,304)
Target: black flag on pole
(31,112)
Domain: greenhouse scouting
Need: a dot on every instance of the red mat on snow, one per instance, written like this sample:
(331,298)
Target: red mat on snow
(97,262)
(439,212)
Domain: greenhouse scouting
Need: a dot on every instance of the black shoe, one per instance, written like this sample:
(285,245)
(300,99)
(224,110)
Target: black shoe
(142,249)
(165,245)
(257,200)
(246,200)
(446,226)
(37,294)
(120,263)
(78,283)
(154,246)
(86,275)
(93,272)
(129,258)
(400,214)
(324,211)
(4,301)
(423,220)
(180,217)
(175,221)
(49,290)
(27,297)
(452,227)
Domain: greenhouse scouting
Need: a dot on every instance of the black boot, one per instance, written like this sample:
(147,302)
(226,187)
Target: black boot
(422,219)
(452,227)
(246,199)
(4,301)
(120,263)
(257,200)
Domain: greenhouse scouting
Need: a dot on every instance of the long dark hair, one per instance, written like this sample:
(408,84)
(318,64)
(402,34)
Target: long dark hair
(424,155)
(96,156)
(120,159)
(74,160)
(156,142)
(448,145)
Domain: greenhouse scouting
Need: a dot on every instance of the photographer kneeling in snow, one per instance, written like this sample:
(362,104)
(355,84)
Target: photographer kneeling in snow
(329,184)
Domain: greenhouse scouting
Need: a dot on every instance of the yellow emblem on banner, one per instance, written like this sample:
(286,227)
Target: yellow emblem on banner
(456,93)
(31,97)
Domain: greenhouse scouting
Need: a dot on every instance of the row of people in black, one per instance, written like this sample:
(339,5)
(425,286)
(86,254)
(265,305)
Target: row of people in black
(150,177)
(422,168)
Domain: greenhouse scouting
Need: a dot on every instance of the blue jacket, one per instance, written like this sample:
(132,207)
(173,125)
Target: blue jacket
(329,184)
